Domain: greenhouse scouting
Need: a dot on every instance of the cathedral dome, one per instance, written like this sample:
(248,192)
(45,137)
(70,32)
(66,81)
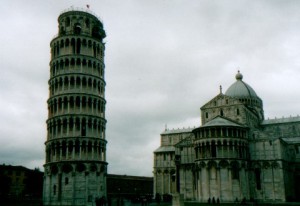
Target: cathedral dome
(240,89)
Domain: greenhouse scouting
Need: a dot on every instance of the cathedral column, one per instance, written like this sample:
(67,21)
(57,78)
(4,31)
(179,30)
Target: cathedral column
(205,184)
(154,181)
(231,195)
(162,181)
(233,150)
(222,147)
(199,186)
(219,182)
(244,184)
(210,149)
(228,149)
(169,182)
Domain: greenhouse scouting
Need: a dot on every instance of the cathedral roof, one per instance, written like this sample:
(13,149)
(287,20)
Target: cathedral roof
(175,131)
(220,121)
(240,88)
(291,140)
(165,149)
(188,141)
(281,120)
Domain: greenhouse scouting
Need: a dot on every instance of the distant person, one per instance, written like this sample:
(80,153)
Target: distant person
(213,201)
(157,198)
(243,201)
(104,200)
(97,201)
(218,201)
(144,201)
(208,201)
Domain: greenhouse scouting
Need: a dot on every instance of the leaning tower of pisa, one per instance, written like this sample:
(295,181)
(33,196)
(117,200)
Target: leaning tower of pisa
(75,168)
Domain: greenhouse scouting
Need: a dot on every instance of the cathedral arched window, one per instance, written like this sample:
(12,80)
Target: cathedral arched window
(297,149)
(257,178)
(213,149)
(237,112)
(54,189)
(66,181)
(235,171)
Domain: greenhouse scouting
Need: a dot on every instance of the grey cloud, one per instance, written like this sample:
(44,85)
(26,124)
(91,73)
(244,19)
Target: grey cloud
(164,60)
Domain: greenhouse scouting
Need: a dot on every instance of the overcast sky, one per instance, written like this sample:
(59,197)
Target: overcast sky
(164,60)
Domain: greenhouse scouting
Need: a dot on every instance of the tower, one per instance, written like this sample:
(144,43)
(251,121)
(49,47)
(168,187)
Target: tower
(75,168)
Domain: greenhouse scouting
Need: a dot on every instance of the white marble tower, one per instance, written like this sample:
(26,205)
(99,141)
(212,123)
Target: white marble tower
(76,167)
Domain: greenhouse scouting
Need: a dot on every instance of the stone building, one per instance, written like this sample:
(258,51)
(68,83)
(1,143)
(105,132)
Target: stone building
(76,167)
(235,154)
(18,183)
(128,188)
(164,165)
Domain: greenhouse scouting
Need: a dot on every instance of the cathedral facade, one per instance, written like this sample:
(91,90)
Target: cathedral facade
(76,167)
(234,154)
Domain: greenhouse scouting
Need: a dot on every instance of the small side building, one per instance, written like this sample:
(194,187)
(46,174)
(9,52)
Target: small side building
(164,167)
(128,188)
(20,183)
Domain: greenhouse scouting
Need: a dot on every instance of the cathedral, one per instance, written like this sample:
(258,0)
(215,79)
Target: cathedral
(235,154)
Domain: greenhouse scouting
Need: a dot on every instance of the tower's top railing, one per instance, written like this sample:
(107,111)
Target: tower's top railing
(87,10)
